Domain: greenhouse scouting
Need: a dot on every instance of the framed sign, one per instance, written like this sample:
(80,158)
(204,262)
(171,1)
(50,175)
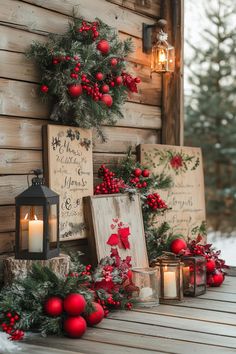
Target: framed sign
(68,170)
(116,221)
(186,197)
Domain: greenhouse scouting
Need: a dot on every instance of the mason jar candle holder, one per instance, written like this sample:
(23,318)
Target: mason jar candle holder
(194,275)
(171,279)
(146,281)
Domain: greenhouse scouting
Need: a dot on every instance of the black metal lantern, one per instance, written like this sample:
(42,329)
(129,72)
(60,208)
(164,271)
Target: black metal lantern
(171,287)
(37,222)
(194,275)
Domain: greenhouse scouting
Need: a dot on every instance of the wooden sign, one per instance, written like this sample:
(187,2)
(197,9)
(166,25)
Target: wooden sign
(186,197)
(68,171)
(116,221)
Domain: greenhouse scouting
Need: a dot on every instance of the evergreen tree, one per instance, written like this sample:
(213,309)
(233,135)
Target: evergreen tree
(211,111)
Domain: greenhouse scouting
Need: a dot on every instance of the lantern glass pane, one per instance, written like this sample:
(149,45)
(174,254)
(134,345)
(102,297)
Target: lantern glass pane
(53,225)
(162,59)
(31,228)
(146,281)
(194,274)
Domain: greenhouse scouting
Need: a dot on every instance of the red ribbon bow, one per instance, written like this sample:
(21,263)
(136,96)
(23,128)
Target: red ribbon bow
(120,239)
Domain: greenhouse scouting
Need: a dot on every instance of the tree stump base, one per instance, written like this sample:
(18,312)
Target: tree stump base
(19,268)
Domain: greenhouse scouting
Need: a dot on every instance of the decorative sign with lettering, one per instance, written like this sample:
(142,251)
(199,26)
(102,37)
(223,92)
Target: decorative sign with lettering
(186,197)
(115,222)
(68,171)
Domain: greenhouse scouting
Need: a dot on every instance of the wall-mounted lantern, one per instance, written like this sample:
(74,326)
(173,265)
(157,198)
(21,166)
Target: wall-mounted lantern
(37,222)
(155,42)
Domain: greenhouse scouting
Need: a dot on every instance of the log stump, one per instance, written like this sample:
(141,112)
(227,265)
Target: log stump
(16,268)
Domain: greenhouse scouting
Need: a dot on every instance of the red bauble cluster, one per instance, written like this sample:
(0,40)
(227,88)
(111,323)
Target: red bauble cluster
(103,46)
(8,326)
(130,82)
(110,184)
(138,178)
(155,202)
(178,245)
(86,28)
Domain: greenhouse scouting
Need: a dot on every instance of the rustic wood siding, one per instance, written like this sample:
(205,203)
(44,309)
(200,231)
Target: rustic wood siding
(22,114)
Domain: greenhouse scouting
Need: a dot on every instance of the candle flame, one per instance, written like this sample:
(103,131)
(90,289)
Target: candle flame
(35,217)
(26,216)
(165,268)
(162,56)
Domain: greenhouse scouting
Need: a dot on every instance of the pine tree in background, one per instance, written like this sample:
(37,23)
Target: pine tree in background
(211,111)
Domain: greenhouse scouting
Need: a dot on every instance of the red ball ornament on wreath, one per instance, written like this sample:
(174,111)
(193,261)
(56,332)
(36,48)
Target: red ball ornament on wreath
(103,46)
(96,316)
(53,306)
(113,62)
(107,99)
(178,245)
(99,76)
(75,327)
(74,304)
(137,172)
(44,88)
(118,80)
(146,173)
(75,90)
(210,265)
(105,88)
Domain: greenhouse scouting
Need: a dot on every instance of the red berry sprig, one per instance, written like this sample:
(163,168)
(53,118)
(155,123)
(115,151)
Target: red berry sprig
(110,184)
(8,325)
(155,202)
(130,82)
(138,176)
(93,28)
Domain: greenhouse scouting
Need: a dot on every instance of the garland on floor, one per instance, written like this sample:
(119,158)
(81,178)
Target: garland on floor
(55,304)
(83,74)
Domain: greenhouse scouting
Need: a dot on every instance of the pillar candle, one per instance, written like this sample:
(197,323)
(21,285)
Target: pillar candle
(35,235)
(170,284)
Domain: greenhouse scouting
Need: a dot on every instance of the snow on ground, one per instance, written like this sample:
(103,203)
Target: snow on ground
(227,245)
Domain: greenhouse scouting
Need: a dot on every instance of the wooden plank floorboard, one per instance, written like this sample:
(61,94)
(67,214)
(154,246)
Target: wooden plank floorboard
(211,305)
(171,333)
(225,297)
(171,322)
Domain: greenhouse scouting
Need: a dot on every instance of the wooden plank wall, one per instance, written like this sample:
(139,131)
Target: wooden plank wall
(22,114)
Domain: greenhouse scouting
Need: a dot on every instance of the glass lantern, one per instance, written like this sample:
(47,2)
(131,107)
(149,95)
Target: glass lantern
(171,287)
(163,58)
(146,281)
(194,275)
(37,222)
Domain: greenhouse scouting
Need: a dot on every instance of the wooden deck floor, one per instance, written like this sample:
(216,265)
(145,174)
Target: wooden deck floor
(202,325)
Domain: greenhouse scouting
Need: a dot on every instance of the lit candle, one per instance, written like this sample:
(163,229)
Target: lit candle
(35,235)
(24,225)
(170,284)
(145,293)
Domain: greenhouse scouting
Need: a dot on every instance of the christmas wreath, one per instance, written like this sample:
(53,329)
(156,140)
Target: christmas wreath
(83,74)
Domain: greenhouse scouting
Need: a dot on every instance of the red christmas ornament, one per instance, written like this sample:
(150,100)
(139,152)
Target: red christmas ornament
(105,88)
(145,173)
(96,316)
(75,90)
(107,99)
(44,88)
(99,76)
(103,46)
(178,245)
(75,327)
(53,306)
(118,80)
(113,62)
(137,80)
(74,304)
(137,172)
(210,265)
(215,279)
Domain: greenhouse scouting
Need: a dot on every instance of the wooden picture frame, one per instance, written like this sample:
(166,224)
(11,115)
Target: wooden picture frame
(103,213)
(186,197)
(68,170)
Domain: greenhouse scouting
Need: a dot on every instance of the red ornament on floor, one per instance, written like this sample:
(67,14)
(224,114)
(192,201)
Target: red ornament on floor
(210,265)
(215,279)
(178,245)
(53,306)
(75,327)
(74,304)
(96,316)
(107,99)
(75,90)
(103,46)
